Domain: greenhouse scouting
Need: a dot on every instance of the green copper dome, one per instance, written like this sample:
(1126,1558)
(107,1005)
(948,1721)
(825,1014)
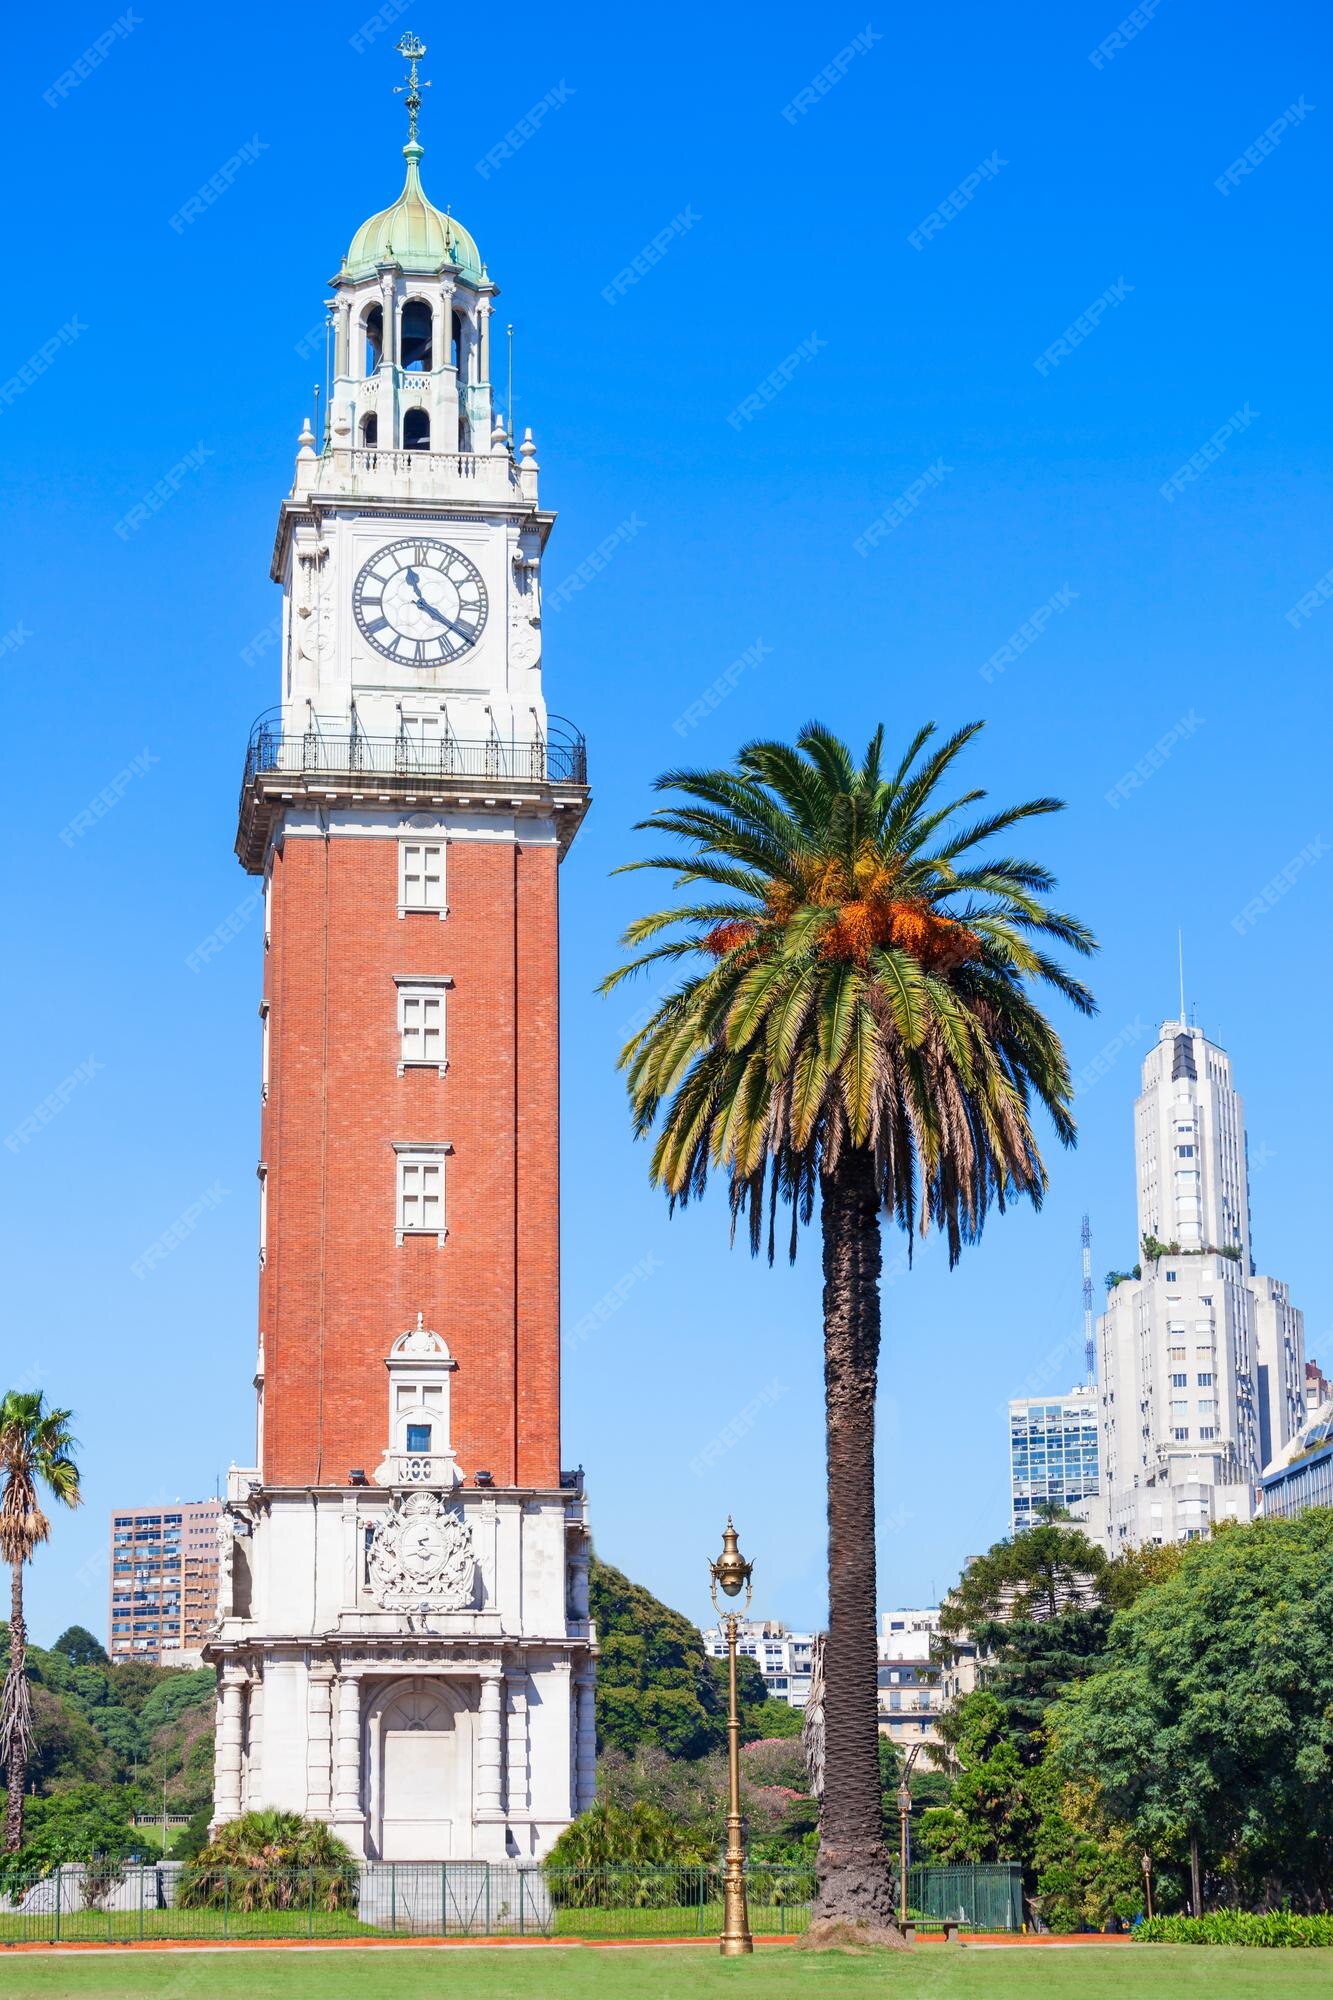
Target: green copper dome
(413,233)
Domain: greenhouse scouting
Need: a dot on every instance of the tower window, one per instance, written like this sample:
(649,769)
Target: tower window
(421,1024)
(373,325)
(416,430)
(421,1192)
(370,431)
(421,876)
(418,332)
(456,344)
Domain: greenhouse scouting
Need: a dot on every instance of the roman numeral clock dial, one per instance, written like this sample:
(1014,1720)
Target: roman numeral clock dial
(420,603)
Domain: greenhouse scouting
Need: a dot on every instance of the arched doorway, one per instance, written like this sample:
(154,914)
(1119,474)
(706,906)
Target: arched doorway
(420,1737)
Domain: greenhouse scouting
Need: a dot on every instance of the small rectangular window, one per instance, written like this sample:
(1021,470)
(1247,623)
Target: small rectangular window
(1207,1432)
(421,876)
(421,1024)
(421,1192)
(418,1437)
(1181,1434)
(1180,1381)
(1205,1378)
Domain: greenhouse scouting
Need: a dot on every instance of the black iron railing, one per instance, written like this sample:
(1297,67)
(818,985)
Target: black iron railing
(560,757)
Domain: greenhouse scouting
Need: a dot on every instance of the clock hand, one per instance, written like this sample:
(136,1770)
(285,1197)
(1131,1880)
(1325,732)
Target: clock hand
(431,612)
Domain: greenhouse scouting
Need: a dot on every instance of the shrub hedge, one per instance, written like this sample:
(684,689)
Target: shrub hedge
(1276,1929)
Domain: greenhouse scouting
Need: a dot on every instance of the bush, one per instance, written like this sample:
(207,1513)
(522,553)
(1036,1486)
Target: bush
(85,1823)
(270,1861)
(615,1856)
(1276,1929)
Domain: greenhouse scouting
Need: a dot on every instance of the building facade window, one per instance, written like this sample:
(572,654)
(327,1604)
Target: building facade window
(421,1024)
(420,1202)
(421,876)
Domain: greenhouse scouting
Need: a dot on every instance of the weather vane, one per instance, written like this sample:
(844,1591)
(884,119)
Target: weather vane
(412,51)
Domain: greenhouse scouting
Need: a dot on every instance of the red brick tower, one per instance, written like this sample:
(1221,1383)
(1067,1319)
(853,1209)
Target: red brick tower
(404,1645)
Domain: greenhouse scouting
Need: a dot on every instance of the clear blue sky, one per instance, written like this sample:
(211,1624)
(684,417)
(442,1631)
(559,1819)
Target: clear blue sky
(1092,181)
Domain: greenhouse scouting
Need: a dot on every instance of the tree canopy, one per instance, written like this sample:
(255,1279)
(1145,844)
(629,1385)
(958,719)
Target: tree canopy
(1211,1716)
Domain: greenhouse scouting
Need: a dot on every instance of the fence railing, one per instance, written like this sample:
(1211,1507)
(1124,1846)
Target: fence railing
(561,757)
(111,1901)
(987,1896)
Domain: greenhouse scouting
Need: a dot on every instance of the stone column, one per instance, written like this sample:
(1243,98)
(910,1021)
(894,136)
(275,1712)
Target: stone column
(389,312)
(489,1744)
(227,1758)
(347,1763)
(349,1818)
(585,1757)
(343,343)
(517,1798)
(319,1742)
(484,322)
(252,1787)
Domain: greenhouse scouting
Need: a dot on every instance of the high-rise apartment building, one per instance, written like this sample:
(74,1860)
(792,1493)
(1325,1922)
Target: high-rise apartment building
(1053,1453)
(1202,1357)
(164,1581)
(784,1658)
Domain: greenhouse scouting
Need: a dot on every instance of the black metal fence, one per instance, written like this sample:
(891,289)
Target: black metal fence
(987,1897)
(114,1902)
(560,757)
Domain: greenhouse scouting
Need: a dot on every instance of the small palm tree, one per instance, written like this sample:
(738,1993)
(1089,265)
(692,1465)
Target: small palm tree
(36,1450)
(862,1032)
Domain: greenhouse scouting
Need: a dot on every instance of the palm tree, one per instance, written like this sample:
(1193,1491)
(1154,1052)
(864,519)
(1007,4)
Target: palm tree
(36,1449)
(862,1031)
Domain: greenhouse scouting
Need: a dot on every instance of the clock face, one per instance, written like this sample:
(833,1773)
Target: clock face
(420,603)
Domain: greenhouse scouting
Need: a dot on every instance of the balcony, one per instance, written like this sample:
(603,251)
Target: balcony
(364,472)
(340,768)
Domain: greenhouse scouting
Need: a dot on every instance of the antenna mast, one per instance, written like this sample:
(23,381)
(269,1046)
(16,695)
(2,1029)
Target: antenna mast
(1089,1344)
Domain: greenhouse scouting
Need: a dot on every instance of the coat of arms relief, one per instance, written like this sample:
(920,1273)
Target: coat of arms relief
(423,1555)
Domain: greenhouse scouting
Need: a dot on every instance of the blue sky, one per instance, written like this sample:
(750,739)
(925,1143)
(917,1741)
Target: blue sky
(1166,671)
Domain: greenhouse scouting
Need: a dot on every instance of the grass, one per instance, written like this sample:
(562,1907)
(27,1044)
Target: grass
(933,1972)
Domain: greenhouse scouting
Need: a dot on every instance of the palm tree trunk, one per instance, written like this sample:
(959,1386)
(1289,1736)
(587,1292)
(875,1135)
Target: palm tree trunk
(15,1711)
(853,1872)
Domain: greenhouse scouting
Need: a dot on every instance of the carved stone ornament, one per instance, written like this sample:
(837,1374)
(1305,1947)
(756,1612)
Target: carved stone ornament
(423,1554)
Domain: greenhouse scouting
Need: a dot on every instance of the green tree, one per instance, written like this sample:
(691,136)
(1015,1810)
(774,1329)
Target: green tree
(1208,1730)
(36,1453)
(1035,1606)
(862,1035)
(80,1648)
(654,1683)
(83,1823)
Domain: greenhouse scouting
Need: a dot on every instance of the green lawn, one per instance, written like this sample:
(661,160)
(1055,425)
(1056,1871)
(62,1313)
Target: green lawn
(933,1972)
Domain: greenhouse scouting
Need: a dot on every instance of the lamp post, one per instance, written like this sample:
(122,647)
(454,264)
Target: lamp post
(904,1823)
(1147,1882)
(731,1574)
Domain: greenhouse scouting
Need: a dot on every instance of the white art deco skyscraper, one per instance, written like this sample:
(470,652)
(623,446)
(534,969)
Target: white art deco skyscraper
(1202,1358)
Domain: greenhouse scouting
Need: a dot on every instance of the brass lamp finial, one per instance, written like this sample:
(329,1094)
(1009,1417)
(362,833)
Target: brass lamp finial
(731,1572)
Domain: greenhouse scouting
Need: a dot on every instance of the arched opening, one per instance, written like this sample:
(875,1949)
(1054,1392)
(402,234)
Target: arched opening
(370,431)
(420,1742)
(456,348)
(416,430)
(373,327)
(417,333)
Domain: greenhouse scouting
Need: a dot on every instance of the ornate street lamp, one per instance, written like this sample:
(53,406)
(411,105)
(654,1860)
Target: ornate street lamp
(1147,1882)
(904,1825)
(731,1574)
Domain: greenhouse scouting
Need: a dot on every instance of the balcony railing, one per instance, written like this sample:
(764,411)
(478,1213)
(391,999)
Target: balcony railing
(559,758)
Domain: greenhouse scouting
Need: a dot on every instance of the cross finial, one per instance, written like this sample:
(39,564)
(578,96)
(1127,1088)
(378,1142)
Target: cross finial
(412,51)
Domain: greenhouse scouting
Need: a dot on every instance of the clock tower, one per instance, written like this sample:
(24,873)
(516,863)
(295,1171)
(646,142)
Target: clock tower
(403,1643)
